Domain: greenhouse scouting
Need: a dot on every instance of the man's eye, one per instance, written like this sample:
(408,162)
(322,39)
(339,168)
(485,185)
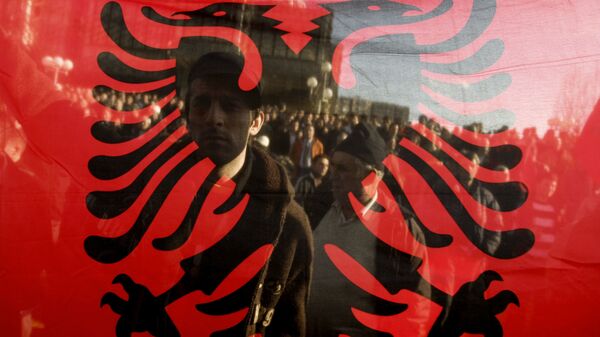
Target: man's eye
(201,103)
(231,105)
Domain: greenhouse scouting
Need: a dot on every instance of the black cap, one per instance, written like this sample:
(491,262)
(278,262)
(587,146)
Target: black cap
(366,144)
(227,64)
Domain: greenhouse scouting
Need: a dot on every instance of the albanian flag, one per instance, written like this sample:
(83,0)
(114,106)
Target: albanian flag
(486,216)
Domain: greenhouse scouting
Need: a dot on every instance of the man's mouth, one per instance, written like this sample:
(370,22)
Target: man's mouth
(214,137)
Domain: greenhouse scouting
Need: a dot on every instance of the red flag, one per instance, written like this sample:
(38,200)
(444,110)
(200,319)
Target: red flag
(96,175)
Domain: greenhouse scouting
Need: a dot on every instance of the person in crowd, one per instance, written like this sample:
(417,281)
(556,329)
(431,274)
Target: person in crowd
(294,133)
(308,183)
(352,121)
(305,149)
(357,157)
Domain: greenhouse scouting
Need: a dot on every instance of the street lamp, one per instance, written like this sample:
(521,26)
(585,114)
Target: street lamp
(323,93)
(327,94)
(58,65)
(312,83)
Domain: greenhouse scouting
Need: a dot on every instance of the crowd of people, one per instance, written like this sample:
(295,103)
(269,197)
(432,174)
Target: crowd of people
(303,142)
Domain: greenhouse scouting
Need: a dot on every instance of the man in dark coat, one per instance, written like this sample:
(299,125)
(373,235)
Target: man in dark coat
(273,228)
(308,183)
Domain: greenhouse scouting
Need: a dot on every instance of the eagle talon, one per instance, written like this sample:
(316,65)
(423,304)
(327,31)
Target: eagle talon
(501,300)
(124,280)
(141,312)
(121,278)
(488,277)
(470,312)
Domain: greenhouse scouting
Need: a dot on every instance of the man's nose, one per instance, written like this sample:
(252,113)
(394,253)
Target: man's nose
(215,115)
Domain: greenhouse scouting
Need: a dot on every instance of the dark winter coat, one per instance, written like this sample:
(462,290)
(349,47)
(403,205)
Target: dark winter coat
(277,295)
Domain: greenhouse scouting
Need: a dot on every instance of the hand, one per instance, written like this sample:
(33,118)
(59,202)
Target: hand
(142,312)
(469,312)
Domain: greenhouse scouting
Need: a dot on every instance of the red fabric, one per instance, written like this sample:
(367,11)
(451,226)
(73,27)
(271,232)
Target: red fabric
(51,287)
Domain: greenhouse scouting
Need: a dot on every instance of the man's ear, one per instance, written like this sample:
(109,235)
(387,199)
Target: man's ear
(257,123)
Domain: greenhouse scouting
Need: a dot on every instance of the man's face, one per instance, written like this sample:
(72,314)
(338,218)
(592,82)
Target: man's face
(310,132)
(219,119)
(320,167)
(348,172)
